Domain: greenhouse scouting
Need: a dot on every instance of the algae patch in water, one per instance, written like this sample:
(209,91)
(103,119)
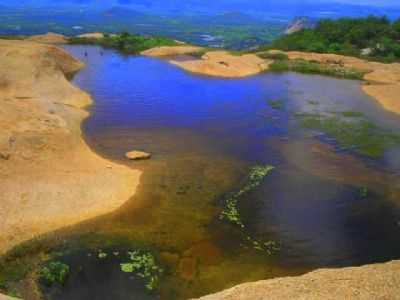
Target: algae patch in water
(255,177)
(352,132)
(231,211)
(143,264)
(276,104)
(54,272)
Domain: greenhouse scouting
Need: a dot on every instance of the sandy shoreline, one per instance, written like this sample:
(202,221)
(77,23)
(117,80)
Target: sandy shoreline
(49,176)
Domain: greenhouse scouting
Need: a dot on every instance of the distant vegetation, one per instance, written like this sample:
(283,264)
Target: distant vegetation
(126,42)
(229,30)
(313,67)
(371,37)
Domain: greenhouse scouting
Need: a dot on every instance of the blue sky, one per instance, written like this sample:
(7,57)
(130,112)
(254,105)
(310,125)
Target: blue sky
(298,2)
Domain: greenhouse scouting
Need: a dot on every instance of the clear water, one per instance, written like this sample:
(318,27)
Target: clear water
(205,133)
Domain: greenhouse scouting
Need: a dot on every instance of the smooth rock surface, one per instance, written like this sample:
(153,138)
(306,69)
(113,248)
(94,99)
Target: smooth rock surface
(372,282)
(50,178)
(137,155)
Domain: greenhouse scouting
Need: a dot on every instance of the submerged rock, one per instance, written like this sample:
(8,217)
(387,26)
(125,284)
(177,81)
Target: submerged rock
(137,155)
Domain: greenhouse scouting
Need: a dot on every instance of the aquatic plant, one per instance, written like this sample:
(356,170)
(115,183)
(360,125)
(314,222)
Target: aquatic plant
(143,265)
(313,67)
(276,104)
(255,177)
(102,254)
(54,272)
(352,114)
(363,192)
(358,134)
(312,102)
(270,247)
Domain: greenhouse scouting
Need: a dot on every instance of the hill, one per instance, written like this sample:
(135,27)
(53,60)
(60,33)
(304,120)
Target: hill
(371,37)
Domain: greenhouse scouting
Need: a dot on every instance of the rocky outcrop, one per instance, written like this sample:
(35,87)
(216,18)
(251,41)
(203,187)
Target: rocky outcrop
(49,38)
(4,297)
(49,177)
(92,35)
(137,155)
(211,63)
(299,24)
(379,281)
(172,50)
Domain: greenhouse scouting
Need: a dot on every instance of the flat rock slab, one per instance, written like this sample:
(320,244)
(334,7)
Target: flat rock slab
(137,155)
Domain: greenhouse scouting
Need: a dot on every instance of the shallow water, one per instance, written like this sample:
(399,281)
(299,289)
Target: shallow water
(205,133)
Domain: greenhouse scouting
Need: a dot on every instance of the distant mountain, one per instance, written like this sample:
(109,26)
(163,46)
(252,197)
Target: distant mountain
(300,23)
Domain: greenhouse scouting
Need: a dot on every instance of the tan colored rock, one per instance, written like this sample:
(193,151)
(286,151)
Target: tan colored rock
(49,38)
(224,64)
(171,50)
(379,281)
(51,178)
(92,35)
(137,155)
(4,297)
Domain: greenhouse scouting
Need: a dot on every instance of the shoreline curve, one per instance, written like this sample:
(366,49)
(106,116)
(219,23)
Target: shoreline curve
(50,178)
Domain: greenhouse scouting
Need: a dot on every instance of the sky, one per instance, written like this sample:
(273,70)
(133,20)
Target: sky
(249,2)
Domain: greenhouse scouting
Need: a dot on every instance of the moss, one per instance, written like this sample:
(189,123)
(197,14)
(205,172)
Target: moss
(54,272)
(312,67)
(359,135)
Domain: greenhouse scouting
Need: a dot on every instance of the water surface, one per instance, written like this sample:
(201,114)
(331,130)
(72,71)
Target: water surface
(205,133)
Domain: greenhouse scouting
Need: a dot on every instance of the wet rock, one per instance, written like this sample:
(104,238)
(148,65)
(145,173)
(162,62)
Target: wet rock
(187,268)
(171,259)
(137,155)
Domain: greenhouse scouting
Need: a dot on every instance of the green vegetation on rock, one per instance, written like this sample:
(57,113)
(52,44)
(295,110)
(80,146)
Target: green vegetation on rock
(370,37)
(273,55)
(126,42)
(54,272)
(355,134)
(312,67)
(143,265)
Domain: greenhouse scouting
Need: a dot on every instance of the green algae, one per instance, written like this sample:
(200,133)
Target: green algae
(231,212)
(55,272)
(363,192)
(358,134)
(352,114)
(143,265)
(276,104)
(255,177)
